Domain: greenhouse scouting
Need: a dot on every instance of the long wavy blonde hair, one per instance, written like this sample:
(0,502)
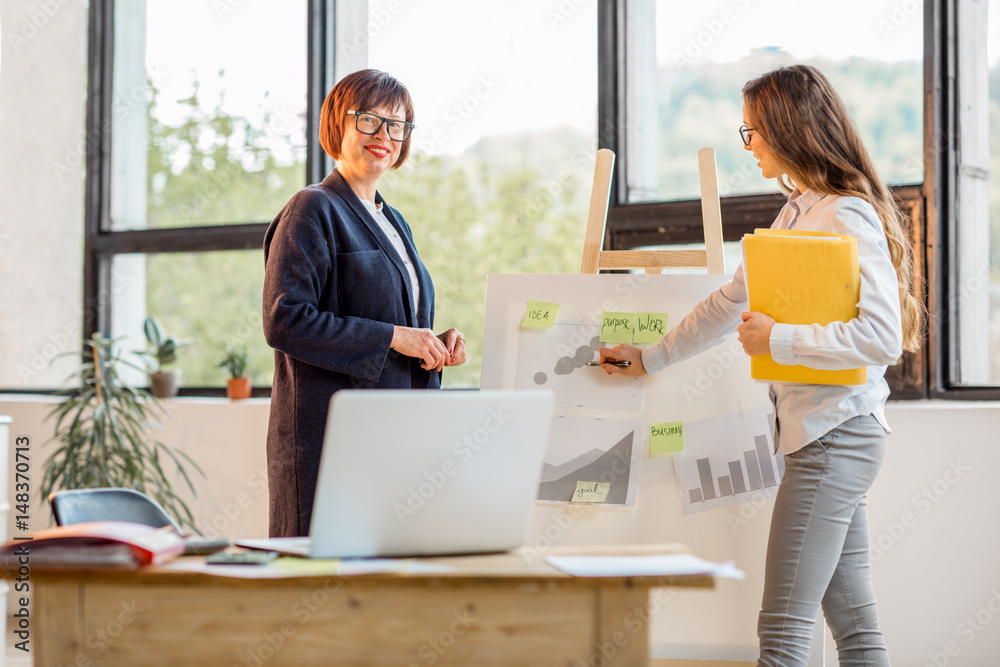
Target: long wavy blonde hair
(807,127)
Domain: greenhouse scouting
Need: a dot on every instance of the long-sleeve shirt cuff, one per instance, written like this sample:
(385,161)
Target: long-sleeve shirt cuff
(782,350)
(652,359)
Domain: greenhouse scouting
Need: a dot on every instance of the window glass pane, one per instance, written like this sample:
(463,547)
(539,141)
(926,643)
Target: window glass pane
(499,175)
(687,63)
(976,282)
(212,299)
(208,125)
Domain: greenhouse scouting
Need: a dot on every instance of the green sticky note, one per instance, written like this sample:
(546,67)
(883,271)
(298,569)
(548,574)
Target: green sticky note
(306,567)
(591,492)
(666,437)
(540,314)
(616,327)
(650,327)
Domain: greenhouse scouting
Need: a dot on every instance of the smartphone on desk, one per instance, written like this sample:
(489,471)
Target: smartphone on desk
(241,557)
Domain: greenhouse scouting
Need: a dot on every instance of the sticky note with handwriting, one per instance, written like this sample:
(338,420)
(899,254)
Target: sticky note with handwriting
(540,314)
(666,437)
(616,327)
(591,492)
(650,327)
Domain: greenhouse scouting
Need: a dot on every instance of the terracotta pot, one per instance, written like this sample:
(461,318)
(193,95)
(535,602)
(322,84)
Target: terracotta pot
(164,385)
(238,388)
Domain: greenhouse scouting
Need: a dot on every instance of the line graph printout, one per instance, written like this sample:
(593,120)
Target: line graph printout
(728,460)
(587,449)
(556,358)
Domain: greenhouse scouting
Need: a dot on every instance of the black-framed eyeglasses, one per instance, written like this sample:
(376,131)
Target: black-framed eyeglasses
(746,134)
(369,123)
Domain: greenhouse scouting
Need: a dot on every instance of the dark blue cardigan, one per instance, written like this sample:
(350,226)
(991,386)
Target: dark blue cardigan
(333,289)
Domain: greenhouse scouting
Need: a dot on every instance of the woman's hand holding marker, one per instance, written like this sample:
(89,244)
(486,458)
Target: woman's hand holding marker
(755,333)
(623,352)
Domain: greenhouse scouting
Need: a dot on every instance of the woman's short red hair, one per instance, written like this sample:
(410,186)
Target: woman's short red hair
(362,91)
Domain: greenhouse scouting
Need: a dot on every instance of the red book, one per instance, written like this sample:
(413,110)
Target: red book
(94,544)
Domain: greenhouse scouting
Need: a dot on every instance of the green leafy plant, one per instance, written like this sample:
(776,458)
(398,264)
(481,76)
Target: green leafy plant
(103,435)
(162,348)
(235,362)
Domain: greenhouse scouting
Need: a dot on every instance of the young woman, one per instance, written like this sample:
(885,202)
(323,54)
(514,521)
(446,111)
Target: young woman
(833,437)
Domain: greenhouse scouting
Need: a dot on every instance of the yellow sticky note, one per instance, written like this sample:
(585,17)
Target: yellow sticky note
(540,314)
(591,492)
(616,327)
(650,327)
(666,437)
(306,567)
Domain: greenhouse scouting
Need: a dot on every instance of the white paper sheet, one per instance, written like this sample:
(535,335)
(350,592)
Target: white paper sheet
(291,567)
(588,449)
(555,358)
(727,460)
(664,565)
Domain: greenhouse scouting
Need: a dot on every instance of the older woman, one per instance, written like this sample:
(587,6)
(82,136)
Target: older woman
(347,301)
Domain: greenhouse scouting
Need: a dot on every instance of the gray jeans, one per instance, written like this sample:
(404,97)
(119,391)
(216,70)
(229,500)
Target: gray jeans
(817,552)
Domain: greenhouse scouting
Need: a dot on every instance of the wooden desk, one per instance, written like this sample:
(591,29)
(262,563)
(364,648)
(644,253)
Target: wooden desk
(504,610)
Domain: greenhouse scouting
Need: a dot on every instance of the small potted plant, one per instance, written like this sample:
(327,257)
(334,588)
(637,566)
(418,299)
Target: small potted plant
(162,352)
(236,362)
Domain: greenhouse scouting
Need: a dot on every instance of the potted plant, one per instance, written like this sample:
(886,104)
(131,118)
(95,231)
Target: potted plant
(103,432)
(236,362)
(162,352)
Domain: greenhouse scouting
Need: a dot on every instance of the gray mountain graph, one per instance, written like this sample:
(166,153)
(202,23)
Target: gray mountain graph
(612,466)
(551,473)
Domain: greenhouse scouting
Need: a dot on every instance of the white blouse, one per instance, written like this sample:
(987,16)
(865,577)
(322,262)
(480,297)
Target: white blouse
(397,243)
(873,339)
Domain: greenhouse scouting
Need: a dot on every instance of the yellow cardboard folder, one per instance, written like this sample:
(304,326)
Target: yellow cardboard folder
(802,277)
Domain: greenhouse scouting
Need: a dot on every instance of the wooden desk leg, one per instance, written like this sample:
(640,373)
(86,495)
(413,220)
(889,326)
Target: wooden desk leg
(56,634)
(622,633)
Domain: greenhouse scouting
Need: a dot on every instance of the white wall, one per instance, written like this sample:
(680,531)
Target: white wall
(225,438)
(43,86)
(935,533)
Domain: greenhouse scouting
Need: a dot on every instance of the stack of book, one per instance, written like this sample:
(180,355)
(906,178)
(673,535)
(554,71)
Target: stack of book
(95,544)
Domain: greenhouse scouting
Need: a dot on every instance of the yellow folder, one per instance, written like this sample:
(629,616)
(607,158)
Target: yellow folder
(802,277)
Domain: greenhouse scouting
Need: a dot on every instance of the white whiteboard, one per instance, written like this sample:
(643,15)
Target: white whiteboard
(714,383)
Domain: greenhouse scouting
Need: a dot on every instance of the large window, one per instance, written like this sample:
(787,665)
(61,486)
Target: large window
(686,64)
(193,151)
(212,299)
(676,72)
(671,80)
(212,133)
(216,137)
(498,180)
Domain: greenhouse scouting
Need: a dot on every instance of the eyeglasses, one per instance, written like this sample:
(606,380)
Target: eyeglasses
(745,134)
(369,123)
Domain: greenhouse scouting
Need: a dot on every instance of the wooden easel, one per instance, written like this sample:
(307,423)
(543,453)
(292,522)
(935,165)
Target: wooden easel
(653,261)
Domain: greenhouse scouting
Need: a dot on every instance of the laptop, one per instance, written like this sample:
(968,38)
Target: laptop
(419,473)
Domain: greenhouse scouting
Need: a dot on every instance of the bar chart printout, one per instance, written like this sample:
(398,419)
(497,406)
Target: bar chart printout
(728,460)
